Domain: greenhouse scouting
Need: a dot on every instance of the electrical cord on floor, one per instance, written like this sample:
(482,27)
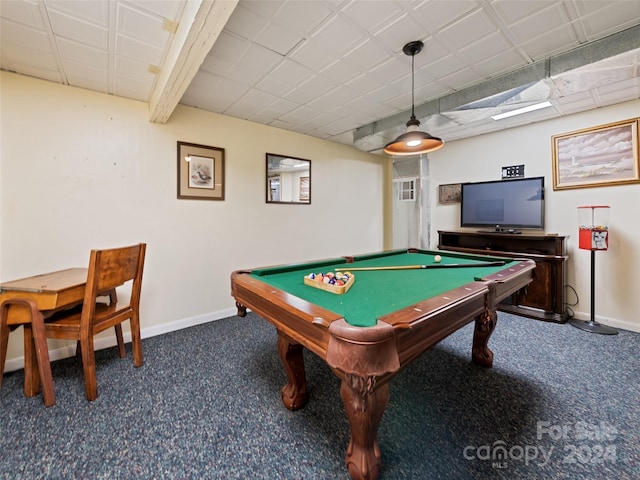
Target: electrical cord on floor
(567,306)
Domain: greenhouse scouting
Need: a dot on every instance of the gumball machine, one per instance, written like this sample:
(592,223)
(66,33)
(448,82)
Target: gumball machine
(593,235)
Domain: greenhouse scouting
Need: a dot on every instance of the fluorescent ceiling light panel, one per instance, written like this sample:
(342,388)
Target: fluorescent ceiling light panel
(519,111)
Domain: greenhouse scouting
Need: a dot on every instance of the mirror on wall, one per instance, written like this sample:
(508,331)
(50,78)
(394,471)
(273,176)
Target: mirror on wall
(288,179)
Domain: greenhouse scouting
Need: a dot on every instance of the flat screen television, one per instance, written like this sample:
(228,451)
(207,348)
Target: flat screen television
(503,205)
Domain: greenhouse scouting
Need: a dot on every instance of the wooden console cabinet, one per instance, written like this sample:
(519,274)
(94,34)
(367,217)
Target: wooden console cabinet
(544,298)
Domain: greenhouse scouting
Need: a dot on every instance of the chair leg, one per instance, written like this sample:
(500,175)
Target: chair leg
(136,342)
(4,340)
(89,367)
(42,354)
(120,339)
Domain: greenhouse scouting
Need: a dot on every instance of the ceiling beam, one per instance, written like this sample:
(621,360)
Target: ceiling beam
(200,26)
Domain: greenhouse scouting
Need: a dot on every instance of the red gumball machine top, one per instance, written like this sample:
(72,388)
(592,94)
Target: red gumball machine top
(594,227)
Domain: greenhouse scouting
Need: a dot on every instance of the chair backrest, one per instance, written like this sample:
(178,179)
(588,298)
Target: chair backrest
(113,267)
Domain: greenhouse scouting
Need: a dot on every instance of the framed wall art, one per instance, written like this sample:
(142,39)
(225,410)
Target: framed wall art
(200,172)
(596,157)
(449,193)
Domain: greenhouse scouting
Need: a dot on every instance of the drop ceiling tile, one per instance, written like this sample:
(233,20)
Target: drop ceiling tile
(399,32)
(278,38)
(437,14)
(372,19)
(388,92)
(300,114)
(368,55)
(22,56)
(141,25)
(79,30)
(12,32)
(274,86)
(511,11)
(25,12)
(230,47)
(551,43)
(245,22)
(215,64)
(444,67)
(391,71)
(38,72)
(264,9)
(501,64)
(485,48)
(259,59)
(337,35)
(333,99)
(85,76)
(127,67)
(281,107)
(538,25)
(291,73)
(95,12)
(364,84)
(610,20)
(461,79)
(341,71)
(302,17)
(135,50)
(170,9)
(468,29)
(80,53)
(311,90)
(230,91)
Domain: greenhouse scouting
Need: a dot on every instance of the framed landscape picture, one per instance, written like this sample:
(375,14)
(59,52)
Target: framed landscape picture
(596,157)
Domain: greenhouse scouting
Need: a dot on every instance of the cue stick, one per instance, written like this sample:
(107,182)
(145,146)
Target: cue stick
(425,267)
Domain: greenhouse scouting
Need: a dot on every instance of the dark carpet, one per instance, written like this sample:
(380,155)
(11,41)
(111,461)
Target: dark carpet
(558,403)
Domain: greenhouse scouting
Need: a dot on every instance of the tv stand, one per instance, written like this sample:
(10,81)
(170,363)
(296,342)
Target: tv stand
(501,230)
(544,298)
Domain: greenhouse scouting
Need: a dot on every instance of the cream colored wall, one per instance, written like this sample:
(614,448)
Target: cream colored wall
(82,170)
(617,298)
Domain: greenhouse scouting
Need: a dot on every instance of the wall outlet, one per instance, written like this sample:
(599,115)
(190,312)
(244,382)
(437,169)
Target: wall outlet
(513,171)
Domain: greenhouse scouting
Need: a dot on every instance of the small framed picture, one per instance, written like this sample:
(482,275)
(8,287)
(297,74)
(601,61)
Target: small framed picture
(449,193)
(200,172)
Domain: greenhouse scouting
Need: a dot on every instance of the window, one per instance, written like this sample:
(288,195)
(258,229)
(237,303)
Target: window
(406,190)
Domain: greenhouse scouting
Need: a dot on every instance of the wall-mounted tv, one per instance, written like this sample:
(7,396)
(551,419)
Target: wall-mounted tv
(503,205)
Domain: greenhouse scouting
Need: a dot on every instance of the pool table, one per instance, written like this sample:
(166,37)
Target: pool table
(401,303)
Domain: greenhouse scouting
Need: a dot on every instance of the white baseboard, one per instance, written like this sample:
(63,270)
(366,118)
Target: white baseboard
(66,351)
(610,322)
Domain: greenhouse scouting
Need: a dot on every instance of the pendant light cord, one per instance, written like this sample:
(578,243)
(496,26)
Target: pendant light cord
(413,59)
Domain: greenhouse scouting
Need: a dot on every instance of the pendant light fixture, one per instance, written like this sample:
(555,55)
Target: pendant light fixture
(414,142)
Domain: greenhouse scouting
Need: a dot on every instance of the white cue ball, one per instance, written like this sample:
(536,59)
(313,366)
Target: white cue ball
(437,258)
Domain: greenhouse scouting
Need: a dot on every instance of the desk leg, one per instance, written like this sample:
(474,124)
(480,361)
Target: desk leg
(294,393)
(31,374)
(365,406)
(485,324)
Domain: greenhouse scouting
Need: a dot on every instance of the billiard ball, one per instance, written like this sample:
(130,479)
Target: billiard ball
(437,259)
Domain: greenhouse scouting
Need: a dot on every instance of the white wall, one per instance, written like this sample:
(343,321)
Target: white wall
(617,298)
(82,170)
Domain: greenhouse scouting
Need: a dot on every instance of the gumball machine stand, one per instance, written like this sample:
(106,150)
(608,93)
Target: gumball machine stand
(593,235)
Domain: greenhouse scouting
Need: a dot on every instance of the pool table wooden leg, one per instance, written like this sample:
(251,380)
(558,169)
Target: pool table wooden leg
(294,393)
(364,404)
(485,324)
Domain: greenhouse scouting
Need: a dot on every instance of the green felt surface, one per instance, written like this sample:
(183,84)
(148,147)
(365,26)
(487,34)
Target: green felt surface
(379,292)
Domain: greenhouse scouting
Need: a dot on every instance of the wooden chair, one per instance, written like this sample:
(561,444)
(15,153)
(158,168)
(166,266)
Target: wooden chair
(108,269)
(34,338)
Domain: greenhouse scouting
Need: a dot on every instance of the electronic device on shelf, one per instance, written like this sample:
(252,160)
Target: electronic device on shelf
(503,206)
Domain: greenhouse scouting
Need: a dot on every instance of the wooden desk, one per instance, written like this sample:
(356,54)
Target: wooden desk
(52,292)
